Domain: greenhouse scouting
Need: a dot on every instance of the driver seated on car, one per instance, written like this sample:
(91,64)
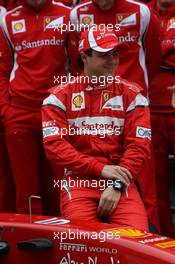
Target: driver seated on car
(99,132)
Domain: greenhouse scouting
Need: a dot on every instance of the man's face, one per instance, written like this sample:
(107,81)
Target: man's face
(101,64)
(104,5)
(166,3)
(35,4)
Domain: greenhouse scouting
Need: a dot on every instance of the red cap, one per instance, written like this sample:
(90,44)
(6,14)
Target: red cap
(99,40)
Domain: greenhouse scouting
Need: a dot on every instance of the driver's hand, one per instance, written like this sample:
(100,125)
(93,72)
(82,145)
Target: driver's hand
(117,173)
(108,202)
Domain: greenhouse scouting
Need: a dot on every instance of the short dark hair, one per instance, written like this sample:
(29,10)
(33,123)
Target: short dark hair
(79,59)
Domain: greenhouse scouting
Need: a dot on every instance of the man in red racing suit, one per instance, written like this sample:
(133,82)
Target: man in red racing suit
(39,56)
(136,25)
(99,132)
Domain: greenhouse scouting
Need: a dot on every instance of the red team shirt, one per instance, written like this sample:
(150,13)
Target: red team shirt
(138,27)
(33,39)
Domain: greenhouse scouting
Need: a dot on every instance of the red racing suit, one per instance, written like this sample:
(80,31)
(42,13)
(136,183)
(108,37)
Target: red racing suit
(139,27)
(7,193)
(39,54)
(100,126)
(163,117)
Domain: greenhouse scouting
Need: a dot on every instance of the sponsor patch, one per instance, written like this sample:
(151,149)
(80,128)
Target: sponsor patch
(49,123)
(126,19)
(106,96)
(126,232)
(78,101)
(171,23)
(143,132)
(169,244)
(53,22)
(87,19)
(152,240)
(114,103)
(50,131)
(18,26)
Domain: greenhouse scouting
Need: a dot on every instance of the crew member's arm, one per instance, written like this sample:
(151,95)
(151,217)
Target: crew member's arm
(5,70)
(152,46)
(137,135)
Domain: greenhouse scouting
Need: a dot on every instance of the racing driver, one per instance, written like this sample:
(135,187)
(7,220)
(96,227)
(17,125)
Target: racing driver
(99,131)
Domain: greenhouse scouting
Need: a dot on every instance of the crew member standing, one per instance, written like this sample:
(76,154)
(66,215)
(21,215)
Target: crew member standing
(39,55)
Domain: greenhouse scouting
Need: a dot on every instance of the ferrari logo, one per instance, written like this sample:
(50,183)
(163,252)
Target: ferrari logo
(47,20)
(119,18)
(106,96)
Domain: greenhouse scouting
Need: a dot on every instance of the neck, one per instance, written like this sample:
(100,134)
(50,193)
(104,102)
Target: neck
(163,7)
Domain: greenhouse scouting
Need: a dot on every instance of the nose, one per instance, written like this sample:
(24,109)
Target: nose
(103,3)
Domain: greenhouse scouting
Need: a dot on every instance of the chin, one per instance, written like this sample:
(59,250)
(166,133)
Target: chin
(106,9)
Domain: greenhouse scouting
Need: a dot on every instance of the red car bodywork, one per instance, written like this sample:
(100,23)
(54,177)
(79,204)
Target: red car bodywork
(125,246)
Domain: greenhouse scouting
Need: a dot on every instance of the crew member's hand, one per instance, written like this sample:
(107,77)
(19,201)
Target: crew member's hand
(116,173)
(108,202)
(172,88)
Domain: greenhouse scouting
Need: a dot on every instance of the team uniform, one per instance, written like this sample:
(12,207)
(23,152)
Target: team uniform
(138,28)
(163,116)
(6,182)
(119,108)
(39,55)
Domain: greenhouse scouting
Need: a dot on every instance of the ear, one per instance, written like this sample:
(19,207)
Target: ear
(84,57)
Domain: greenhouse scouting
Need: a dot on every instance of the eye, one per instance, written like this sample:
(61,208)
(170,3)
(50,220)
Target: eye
(103,54)
(115,53)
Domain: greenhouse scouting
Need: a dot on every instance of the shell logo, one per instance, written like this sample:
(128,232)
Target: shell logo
(129,232)
(78,101)
(18,26)
(86,20)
